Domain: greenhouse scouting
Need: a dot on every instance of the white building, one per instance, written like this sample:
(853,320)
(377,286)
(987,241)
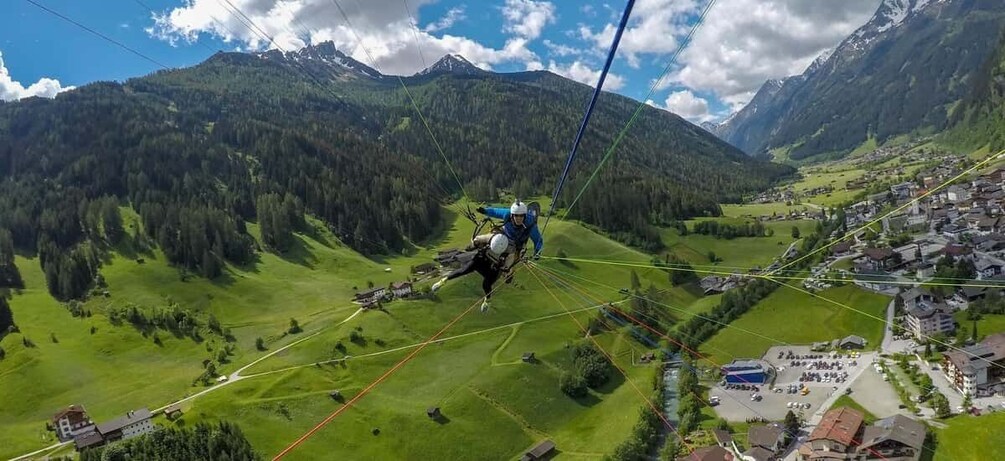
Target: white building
(926,319)
(977,370)
(72,422)
(133,424)
(401,289)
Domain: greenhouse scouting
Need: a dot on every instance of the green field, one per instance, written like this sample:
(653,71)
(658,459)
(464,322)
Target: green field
(496,405)
(794,317)
(971,438)
(755,210)
(741,252)
(988,324)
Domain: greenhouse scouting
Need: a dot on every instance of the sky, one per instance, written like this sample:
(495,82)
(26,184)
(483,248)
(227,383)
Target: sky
(739,45)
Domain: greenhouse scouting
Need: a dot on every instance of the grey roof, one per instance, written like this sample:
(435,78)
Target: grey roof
(759,454)
(926,310)
(898,428)
(915,293)
(722,436)
(854,339)
(123,421)
(763,436)
(982,264)
(88,439)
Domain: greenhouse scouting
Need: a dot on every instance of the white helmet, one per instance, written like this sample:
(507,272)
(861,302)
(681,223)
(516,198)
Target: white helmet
(498,244)
(518,208)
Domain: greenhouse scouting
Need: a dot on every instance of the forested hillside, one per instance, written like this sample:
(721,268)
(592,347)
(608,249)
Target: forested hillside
(903,72)
(198,152)
(980,118)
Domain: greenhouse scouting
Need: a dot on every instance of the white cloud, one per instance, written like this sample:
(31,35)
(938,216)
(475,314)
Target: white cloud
(558,49)
(687,105)
(453,16)
(383,26)
(527,18)
(741,44)
(745,42)
(11,90)
(655,27)
(582,73)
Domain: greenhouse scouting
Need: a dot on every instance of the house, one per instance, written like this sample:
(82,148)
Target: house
(335,395)
(90,439)
(874,280)
(955,193)
(926,318)
(747,372)
(758,454)
(71,422)
(769,437)
(424,268)
(647,357)
(372,295)
(528,357)
(540,451)
(841,248)
(401,289)
(916,295)
(133,424)
(723,438)
(710,285)
(715,453)
(894,438)
(958,251)
(977,370)
(852,342)
(971,293)
(834,434)
(987,268)
(434,413)
(880,259)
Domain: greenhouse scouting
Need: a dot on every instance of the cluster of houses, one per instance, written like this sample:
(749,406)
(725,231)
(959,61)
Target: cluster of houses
(371,297)
(72,423)
(766,442)
(841,434)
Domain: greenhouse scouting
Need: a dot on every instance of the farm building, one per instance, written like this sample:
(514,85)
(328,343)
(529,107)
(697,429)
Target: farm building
(540,451)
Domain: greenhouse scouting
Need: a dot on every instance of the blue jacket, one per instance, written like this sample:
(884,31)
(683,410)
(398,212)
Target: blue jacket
(518,235)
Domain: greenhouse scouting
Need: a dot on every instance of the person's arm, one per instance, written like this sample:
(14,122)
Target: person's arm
(535,236)
(497,213)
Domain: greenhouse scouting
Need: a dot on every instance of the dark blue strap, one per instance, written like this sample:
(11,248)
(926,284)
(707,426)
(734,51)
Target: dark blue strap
(589,110)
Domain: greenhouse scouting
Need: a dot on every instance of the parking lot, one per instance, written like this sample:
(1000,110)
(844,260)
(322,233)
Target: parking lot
(797,367)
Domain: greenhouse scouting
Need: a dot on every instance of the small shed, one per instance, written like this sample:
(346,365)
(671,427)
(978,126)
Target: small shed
(335,395)
(173,412)
(540,451)
(852,342)
(648,357)
(434,412)
(528,357)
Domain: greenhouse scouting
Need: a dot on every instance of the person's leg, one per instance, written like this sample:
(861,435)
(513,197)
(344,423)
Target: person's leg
(466,269)
(489,277)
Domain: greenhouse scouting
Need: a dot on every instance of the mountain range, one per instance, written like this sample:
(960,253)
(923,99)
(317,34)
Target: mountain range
(197,152)
(902,73)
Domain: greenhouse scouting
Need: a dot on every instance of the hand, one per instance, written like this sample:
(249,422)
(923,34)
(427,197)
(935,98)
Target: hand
(480,209)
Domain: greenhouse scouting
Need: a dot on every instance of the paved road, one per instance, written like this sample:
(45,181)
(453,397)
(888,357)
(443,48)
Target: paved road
(44,450)
(888,328)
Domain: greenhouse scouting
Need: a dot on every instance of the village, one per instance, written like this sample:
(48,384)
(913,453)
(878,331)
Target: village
(937,254)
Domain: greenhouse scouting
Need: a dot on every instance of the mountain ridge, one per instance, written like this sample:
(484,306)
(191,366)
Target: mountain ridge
(940,43)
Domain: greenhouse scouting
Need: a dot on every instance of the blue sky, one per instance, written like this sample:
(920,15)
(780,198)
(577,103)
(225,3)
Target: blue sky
(734,51)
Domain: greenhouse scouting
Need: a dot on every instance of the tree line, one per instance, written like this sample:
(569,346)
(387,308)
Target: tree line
(218,441)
